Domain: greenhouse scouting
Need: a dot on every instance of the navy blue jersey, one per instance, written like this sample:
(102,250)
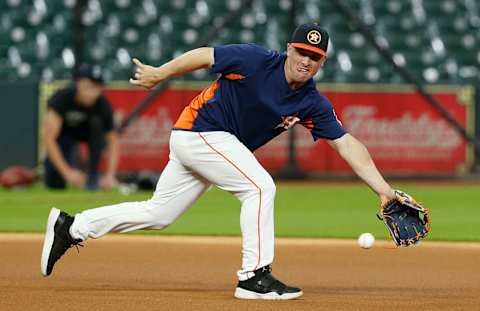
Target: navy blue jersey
(252,99)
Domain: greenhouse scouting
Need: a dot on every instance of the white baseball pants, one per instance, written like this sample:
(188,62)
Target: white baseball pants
(196,161)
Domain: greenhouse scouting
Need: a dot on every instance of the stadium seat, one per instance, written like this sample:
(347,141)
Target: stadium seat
(422,34)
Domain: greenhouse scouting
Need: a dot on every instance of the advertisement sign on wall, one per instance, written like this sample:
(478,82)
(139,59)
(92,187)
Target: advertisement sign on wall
(404,134)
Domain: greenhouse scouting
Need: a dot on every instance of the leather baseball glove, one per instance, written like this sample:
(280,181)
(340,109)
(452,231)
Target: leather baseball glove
(406,220)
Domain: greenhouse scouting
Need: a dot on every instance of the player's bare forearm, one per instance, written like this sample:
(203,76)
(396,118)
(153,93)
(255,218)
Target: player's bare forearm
(113,152)
(149,76)
(359,159)
(51,130)
(188,62)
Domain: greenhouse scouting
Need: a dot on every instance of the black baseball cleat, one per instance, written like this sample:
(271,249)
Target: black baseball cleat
(265,286)
(57,239)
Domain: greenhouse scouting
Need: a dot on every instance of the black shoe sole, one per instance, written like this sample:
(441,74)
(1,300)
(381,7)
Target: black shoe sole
(48,241)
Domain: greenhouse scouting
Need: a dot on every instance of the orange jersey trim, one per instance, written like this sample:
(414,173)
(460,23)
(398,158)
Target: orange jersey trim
(308,123)
(234,76)
(190,113)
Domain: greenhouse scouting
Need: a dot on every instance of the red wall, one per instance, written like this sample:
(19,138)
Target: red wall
(402,132)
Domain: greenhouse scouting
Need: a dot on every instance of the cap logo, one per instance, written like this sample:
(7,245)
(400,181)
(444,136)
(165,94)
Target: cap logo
(314,37)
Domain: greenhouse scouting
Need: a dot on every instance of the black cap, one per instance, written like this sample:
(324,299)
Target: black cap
(310,37)
(93,73)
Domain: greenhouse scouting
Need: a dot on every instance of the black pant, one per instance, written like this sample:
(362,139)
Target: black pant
(95,139)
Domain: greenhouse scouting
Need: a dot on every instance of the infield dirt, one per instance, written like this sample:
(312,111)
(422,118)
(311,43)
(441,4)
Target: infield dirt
(125,272)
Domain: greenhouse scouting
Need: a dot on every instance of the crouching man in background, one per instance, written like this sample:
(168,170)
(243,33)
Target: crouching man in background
(80,113)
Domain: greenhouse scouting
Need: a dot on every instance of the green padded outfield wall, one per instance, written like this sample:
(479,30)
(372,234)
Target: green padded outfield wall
(18,124)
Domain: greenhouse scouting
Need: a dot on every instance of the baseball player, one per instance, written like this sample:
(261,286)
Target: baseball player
(259,94)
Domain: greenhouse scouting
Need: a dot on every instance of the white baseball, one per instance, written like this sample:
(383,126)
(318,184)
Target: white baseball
(366,240)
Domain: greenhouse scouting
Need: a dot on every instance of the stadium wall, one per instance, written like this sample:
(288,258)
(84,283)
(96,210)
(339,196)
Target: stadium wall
(18,124)
(404,134)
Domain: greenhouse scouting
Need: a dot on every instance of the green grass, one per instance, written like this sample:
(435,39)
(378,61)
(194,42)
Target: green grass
(323,210)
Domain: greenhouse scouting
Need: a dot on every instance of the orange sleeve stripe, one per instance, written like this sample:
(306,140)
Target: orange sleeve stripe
(234,76)
(308,123)
(190,113)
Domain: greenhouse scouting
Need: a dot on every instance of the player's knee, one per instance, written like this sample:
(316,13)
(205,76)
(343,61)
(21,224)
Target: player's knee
(268,187)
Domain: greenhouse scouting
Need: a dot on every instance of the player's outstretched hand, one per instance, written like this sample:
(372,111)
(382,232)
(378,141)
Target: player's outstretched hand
(145,76)
(406,219)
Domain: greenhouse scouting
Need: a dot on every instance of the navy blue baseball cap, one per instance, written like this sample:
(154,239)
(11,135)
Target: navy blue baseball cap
(310,37)
(90,72)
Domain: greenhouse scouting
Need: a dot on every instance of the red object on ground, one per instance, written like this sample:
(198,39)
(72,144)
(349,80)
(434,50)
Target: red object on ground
(17,176)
